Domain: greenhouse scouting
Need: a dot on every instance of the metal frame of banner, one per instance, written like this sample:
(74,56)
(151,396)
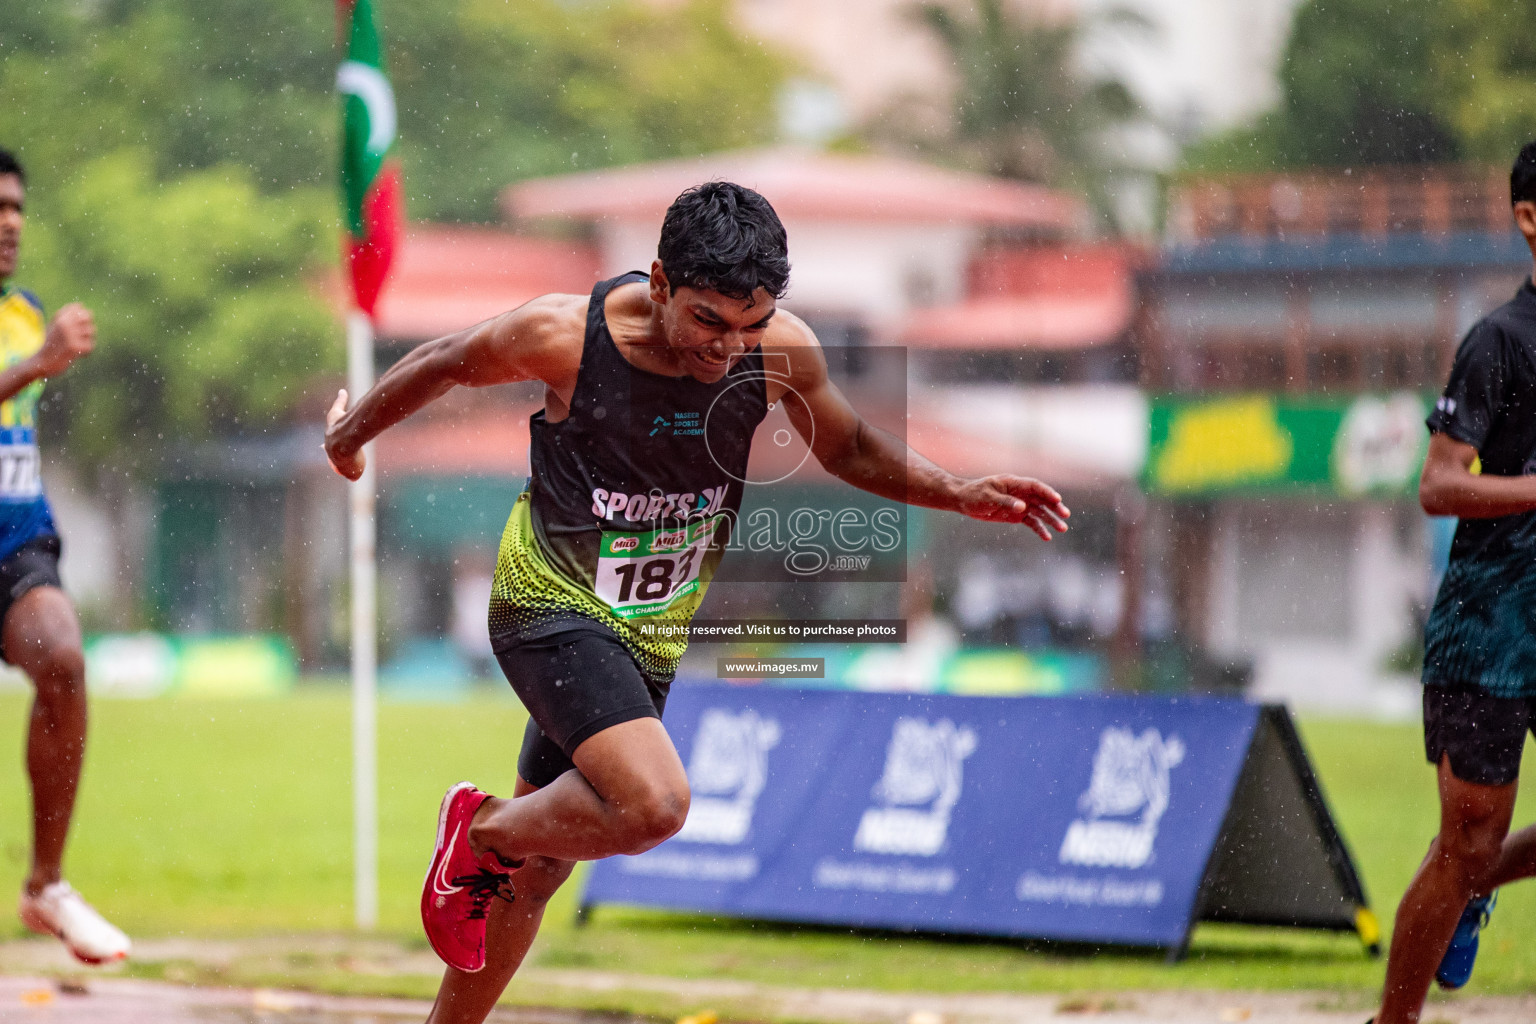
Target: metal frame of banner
(1277,717)
(1338,853)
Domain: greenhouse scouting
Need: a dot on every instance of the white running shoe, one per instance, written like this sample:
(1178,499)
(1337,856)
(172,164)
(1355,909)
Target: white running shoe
(61,912)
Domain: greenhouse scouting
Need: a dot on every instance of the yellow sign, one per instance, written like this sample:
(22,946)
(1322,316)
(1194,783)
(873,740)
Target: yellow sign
(1223,443)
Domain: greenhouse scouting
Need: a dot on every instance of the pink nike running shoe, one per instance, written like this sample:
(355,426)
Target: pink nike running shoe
(459,886)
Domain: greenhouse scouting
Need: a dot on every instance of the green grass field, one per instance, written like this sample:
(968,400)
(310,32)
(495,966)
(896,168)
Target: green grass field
(221,818)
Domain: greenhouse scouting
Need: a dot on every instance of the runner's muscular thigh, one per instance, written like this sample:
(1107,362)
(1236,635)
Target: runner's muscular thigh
(40,626)
(633,762)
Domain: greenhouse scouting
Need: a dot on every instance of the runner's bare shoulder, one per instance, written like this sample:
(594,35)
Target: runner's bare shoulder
(791,352)
(539,340)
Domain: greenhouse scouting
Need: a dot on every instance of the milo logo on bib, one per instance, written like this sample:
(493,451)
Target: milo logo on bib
(641,574)
(674,540)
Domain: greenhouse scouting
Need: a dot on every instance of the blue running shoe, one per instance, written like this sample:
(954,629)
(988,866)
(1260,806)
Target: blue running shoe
(1456,966)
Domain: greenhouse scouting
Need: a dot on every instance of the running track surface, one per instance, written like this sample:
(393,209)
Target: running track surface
(123,1001)
(34,1000)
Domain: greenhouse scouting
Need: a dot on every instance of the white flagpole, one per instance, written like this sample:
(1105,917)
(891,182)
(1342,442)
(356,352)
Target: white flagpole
(365,785)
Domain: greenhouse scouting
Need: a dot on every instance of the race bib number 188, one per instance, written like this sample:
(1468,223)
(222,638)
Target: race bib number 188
(646,573)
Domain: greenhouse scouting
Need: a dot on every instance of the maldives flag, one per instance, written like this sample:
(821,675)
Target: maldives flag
(370,183)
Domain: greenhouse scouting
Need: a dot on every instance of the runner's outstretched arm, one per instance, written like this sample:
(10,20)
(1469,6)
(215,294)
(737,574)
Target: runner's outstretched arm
(852,450)
(516,346)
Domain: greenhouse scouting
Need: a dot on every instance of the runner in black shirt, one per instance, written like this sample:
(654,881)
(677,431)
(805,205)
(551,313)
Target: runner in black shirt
(1480,647)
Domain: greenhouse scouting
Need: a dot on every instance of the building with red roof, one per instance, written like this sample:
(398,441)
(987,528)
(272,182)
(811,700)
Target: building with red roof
(804,185)
(872,238)
(449,277)
(958,268)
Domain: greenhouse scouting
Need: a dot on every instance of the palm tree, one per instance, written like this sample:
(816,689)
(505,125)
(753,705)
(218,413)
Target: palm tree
(1025,106)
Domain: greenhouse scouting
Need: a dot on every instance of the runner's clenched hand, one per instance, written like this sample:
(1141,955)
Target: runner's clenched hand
(1015,499)
(71,334)
(345,459)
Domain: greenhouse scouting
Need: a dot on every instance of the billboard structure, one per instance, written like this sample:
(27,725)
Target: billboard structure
(1119,820)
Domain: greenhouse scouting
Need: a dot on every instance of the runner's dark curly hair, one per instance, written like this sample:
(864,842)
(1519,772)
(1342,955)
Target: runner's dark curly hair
(10,165)
(1522,177)
(724,238)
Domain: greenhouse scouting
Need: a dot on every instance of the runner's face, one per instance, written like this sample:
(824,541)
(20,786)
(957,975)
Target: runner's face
(707,332)
(12,199)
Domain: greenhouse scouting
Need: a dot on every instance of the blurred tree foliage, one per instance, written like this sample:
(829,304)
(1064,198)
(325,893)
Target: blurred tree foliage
(204,294)
(492,91)
(181,158)
(1025,105)
(489,91)
(1487,72)
(1372,82)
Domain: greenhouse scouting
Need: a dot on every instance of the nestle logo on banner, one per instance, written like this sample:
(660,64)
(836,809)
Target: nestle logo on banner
(625,543)
(1126,799)
(924,770)
(727,770)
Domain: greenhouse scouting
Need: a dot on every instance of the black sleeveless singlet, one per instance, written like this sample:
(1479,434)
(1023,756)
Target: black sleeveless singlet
(630,501)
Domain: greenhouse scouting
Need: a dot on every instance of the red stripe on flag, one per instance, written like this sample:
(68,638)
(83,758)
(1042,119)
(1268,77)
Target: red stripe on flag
(344,19)
(369,257)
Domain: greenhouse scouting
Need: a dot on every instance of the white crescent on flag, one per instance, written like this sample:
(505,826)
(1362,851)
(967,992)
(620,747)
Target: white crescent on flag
(368,84)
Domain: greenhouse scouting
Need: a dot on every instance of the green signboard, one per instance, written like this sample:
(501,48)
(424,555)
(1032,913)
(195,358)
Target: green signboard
(1368,445)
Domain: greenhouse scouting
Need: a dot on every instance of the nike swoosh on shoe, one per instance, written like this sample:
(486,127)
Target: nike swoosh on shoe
(442,885)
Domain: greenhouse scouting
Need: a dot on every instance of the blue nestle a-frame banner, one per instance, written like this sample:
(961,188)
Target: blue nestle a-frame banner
(1095,819)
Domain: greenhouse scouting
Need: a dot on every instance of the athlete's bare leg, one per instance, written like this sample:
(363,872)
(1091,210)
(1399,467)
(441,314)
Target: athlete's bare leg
(1517,860)
(41,636)
(1462,860)
(510,927)
(629,793)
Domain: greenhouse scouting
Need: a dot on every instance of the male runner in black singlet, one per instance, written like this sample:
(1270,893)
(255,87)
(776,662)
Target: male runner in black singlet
(622,524)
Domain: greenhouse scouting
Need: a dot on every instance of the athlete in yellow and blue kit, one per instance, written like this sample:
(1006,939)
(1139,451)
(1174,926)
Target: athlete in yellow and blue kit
(39,632)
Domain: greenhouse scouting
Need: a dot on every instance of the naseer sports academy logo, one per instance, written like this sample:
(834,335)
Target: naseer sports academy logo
(727,771)
(1126,798)
(917,792)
